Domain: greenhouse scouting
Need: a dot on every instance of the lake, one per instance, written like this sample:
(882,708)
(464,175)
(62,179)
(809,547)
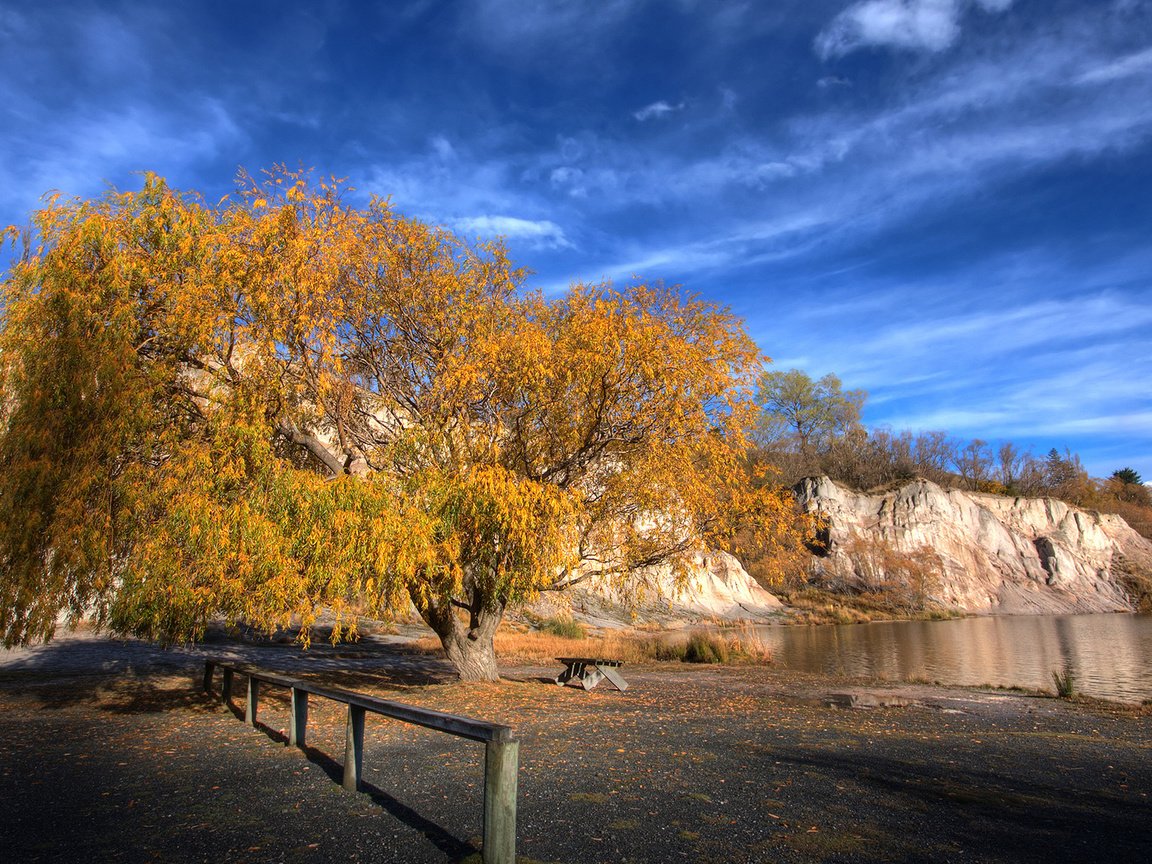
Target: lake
(1109,655)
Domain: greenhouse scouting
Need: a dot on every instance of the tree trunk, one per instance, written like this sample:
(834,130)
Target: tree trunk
(467,632)
(475,660)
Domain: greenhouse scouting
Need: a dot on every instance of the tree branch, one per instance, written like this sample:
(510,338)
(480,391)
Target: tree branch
(314,446)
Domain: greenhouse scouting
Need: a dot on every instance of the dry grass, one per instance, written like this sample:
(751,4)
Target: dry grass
(817,606)
(740,645)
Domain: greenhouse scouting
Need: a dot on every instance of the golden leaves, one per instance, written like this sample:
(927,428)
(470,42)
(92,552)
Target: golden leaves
(180,380)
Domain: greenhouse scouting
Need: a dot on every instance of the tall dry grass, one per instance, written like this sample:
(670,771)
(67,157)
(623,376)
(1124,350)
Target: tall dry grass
(741,645)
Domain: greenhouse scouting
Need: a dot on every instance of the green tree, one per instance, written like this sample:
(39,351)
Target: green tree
(283,403)
(1127,476)
(805,416)
(1126,485)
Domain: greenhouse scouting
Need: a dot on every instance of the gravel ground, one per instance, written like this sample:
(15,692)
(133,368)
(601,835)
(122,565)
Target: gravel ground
(109,752)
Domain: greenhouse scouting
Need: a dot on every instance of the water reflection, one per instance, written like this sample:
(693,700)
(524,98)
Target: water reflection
(1109,655)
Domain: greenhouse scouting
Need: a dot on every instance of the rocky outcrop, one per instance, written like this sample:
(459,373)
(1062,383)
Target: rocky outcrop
(986,553)
(716,589)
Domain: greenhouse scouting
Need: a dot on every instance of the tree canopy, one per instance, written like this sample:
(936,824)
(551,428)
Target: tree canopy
(810,412)
(284,402)
(1127,477)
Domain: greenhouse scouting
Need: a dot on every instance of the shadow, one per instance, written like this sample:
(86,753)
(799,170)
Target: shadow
(126,675)
(1022,818)
(125,694)
(449,844)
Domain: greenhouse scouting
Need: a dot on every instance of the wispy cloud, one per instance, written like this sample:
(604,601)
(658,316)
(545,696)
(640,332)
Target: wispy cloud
(915,25)
(539,232)
(1126,67)
(1029,371)
(79,151)
(884,216)
(535,29)
(986,117)
(656,110)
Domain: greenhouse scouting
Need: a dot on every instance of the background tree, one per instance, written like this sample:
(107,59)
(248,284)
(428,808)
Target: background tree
(1065,477)
(805,416)
(1010,464)
(973,462)
(1127,476)
(284,403)
(1125,484)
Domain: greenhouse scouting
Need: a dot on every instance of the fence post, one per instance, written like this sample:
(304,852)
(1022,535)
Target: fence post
(354,748)
(226,686)
(253,698)
(209,667)
(501,764)
(298,722)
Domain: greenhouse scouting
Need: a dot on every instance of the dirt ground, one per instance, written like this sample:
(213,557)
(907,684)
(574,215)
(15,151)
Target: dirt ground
(109,751)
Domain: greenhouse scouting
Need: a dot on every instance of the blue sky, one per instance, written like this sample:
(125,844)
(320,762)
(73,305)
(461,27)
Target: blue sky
(947,203)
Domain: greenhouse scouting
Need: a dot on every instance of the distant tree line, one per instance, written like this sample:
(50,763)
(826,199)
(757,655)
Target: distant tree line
(808,427)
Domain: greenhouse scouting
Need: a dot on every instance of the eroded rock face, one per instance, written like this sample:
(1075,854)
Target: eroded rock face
(990,553)
(717,589)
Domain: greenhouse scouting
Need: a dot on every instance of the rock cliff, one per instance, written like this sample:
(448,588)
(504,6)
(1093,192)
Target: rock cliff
(717,590)
(986,553)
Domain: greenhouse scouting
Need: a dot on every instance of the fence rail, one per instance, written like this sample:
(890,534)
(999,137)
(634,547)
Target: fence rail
(501,749)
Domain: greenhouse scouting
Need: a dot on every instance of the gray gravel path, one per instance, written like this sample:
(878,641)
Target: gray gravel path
(108,752)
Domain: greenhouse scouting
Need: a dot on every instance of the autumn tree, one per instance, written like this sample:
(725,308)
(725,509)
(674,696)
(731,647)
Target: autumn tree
(284,403)
(1126,484)
(1127,477)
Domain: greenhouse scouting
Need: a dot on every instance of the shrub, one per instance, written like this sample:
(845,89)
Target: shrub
(1065,683)
(566,628)
(706,648)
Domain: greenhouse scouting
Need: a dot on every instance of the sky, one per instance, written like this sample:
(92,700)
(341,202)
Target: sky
(946,203)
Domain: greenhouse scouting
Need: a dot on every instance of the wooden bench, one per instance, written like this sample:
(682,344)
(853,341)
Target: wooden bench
(590,671)
(501,749)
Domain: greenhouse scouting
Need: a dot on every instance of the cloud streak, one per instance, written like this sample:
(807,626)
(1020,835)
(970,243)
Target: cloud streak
(541,233)
(940,200)
(656,111)
(912,25)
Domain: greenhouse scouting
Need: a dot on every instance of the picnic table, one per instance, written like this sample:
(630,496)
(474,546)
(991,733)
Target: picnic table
(590,671)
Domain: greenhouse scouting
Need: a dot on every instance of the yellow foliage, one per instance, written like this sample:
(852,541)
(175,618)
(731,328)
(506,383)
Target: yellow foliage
(283,402)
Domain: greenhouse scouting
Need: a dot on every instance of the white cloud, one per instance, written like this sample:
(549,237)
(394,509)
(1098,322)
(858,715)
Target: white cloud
(1125,67)
(915,25)
(656,110)
(443,148)
(570,180)
(833,81)
(78,153)
(516,28)
(542,232)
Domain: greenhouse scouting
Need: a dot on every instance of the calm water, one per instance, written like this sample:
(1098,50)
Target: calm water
(1109,655)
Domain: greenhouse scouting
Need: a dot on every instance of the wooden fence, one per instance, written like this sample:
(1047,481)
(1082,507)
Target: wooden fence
(501,749)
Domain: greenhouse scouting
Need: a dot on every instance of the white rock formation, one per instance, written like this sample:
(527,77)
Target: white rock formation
(717,589)
(995,554)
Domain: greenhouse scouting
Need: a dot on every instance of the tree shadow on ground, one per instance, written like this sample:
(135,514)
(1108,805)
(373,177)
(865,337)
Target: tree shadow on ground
(131,676)
(126,693)
(1022,818)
